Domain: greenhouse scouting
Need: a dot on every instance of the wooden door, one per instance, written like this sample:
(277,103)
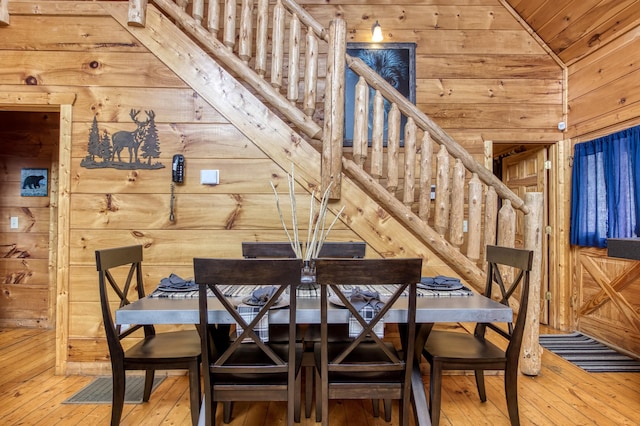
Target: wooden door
(522,173)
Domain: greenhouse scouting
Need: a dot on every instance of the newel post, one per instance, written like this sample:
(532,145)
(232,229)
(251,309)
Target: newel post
(4,13)
(334,108)
(530,361)
(137,13)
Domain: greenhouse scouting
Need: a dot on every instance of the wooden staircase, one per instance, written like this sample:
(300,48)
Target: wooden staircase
(386,190)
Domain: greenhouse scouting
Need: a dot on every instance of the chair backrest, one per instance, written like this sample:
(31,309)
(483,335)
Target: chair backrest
(261,249)
(345,249)
(120,273)
(503,263)
(399,275)
(218,275)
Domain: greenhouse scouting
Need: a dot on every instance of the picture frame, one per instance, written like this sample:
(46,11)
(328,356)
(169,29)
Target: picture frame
(396,63)
(34,182)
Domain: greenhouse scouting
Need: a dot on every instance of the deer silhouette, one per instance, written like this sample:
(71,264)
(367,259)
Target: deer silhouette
(131,140)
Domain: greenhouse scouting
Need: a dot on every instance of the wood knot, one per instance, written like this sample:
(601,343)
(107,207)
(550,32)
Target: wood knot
(94,64)
(31,81)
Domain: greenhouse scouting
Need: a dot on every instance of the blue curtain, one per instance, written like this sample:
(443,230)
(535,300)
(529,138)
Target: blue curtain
(606,179)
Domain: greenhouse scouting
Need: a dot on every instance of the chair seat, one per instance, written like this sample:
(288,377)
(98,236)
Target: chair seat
(464,347)
(364,353)
(174,345)
(248,355)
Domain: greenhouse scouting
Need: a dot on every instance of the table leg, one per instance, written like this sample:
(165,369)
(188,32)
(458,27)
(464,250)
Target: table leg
(418,395)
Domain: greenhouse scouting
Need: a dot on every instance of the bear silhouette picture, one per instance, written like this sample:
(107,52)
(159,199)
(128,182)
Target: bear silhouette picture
(32,182)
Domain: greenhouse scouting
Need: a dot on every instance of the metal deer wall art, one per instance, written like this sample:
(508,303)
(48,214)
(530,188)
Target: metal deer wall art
(141,144)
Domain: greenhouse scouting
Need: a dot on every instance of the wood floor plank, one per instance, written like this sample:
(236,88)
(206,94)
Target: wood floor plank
(31,394)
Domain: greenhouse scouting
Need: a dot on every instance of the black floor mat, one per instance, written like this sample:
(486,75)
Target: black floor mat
(589,354)
(99,391)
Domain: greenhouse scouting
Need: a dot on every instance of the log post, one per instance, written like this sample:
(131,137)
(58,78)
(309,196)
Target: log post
(456,221)
(229,30)
(506,225)
(531,354)
(360,122)
(377,136)
(426,152)
(490,220)
(409,162)
(277,50)
(213,18)
(246,31)
(475,218)
(294,59)
(393,146)
(136,17)
(262,40)
(311,73)
(198,11)
(333,134)
(443,181)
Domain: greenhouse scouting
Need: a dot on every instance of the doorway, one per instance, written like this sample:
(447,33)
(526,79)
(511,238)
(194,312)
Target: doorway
(29,152)
(525,168)
(60,187)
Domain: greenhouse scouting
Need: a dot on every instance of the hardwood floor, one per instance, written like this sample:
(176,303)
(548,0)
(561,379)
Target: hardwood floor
(30,394)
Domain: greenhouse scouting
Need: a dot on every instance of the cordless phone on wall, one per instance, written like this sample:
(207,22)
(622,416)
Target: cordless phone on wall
(178,168)
(177,176)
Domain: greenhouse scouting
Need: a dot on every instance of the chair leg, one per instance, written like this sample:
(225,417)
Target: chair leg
(480,385)
(117,401)
(308,390)
(227,408)
(318,397)
(387,409)
(375,405)
(435,389)
(511,391)
(297,399)
(148,384)
(194,391)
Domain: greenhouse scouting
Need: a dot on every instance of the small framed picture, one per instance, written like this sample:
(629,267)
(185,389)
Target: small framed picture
(34,182)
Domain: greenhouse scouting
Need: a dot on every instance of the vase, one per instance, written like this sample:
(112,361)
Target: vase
(308,277)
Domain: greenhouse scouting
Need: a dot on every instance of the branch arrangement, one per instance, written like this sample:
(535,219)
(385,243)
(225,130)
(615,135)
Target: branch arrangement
(317,231)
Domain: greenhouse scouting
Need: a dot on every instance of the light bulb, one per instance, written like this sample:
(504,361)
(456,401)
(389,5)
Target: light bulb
(376,33)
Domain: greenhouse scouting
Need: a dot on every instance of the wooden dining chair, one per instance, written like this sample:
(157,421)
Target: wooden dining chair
(120,273)
(365,367)
(337,249)
(450,350)
(256,370)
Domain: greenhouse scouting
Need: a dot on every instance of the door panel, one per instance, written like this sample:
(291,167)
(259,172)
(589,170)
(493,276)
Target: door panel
(522,173)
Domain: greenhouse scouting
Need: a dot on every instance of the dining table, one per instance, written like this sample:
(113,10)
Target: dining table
(431,309)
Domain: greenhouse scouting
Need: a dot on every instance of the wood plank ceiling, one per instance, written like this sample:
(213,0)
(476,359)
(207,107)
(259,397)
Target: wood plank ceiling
(573,29)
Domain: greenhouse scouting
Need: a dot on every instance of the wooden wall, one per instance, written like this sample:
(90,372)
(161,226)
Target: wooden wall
(604,98)
(479,74)
(27,140)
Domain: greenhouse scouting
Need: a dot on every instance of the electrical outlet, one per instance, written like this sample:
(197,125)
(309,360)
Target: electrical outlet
(14,222)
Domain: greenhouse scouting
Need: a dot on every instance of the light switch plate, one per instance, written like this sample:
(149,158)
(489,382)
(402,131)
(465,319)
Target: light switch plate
(209,177)
(14,222)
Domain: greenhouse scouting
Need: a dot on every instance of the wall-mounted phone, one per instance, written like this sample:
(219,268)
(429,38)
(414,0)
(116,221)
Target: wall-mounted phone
(177,174)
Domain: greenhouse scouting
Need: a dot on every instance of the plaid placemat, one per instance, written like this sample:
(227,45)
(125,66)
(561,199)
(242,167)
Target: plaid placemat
(248,313)
(311,293)
(367,313)
(388,290)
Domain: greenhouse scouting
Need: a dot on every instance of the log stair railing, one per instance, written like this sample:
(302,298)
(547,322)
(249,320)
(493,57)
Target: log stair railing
(429,181)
